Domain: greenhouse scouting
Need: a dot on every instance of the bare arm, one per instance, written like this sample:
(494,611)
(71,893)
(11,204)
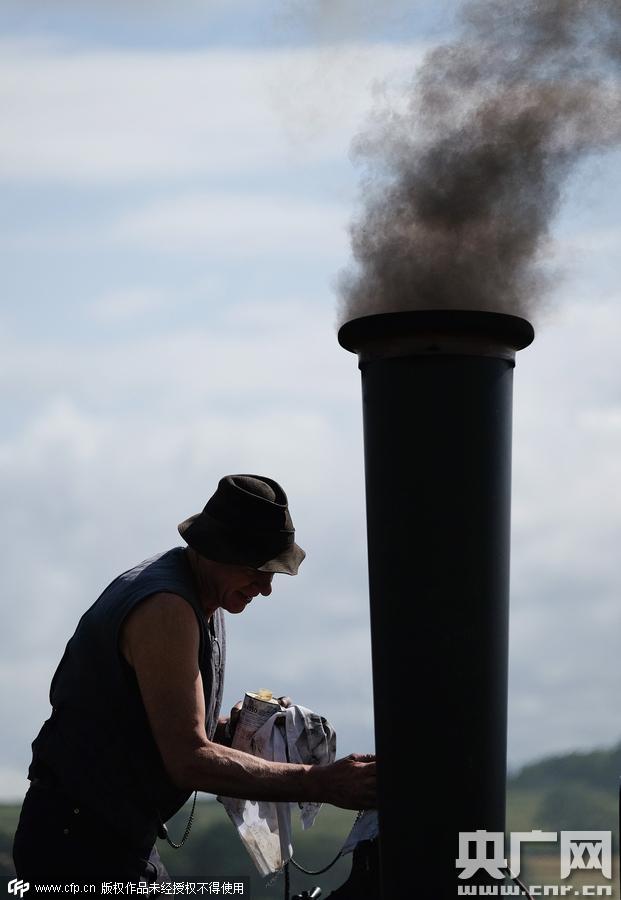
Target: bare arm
(160,639)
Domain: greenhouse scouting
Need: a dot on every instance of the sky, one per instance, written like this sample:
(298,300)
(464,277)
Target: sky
(177,185)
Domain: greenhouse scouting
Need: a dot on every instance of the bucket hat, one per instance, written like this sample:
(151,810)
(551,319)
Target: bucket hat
(246,522)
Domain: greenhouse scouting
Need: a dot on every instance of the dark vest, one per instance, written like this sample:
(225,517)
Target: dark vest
(98,744)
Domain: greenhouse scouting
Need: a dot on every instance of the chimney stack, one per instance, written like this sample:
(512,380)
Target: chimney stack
(437,401)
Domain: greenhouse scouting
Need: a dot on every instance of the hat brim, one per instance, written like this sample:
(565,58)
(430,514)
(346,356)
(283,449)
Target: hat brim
(286,563)
(200,533)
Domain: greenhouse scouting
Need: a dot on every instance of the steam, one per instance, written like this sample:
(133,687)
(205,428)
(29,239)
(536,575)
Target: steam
(460,188)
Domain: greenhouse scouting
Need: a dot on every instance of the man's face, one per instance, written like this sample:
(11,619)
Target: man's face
(236,586)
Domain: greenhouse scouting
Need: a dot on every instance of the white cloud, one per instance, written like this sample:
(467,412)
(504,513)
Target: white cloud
(586,243)
(566,614)
(119,115)
(238,226)
(124,304)
(275,358)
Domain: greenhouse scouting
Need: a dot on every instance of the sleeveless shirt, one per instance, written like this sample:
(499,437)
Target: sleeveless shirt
(98,745)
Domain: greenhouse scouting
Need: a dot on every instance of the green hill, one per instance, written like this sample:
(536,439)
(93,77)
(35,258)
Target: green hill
(598,769)
(574,791)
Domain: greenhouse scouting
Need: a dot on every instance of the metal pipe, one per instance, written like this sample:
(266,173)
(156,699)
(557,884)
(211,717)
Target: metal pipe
(437,400)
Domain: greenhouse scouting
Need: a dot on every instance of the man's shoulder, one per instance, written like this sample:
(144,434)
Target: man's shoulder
(167,608)
(167,560)
(163,618)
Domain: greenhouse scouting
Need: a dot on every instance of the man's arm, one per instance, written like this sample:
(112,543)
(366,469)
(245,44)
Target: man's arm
(160,639)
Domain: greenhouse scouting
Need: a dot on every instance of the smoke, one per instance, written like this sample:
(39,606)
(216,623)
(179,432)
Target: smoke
(461,185)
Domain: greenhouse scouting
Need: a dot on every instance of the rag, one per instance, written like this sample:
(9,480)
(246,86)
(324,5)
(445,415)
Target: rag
(293,735)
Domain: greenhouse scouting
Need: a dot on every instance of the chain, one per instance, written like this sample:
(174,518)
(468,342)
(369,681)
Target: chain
(188,828)
(325,868)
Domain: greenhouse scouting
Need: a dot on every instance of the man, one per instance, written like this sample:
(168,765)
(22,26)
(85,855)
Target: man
(134,728)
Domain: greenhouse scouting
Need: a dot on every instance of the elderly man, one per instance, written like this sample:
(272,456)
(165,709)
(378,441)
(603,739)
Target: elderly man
(134,728)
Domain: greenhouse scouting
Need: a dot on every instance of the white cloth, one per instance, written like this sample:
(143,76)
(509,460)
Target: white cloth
(295,735)
(365,828)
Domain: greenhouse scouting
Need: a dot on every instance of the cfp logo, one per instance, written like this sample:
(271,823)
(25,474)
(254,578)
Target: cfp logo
(17,886)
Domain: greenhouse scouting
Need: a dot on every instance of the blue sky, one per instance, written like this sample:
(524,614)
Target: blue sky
(176,185)
(160,24)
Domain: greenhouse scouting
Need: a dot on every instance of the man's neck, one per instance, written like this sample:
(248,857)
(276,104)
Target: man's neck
(201,582)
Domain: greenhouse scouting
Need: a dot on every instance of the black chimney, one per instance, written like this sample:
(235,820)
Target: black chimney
(437,394)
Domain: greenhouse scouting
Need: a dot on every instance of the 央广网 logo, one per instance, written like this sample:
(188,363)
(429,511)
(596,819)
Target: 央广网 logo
(579,850)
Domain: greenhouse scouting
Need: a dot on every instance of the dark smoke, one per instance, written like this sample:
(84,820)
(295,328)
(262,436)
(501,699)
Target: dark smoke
(461,187)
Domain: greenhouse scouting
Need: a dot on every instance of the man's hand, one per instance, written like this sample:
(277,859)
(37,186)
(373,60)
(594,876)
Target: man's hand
(225,729)
(350,782)
(285,702)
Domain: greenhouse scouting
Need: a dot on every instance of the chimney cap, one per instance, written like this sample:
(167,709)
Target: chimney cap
(436,331)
